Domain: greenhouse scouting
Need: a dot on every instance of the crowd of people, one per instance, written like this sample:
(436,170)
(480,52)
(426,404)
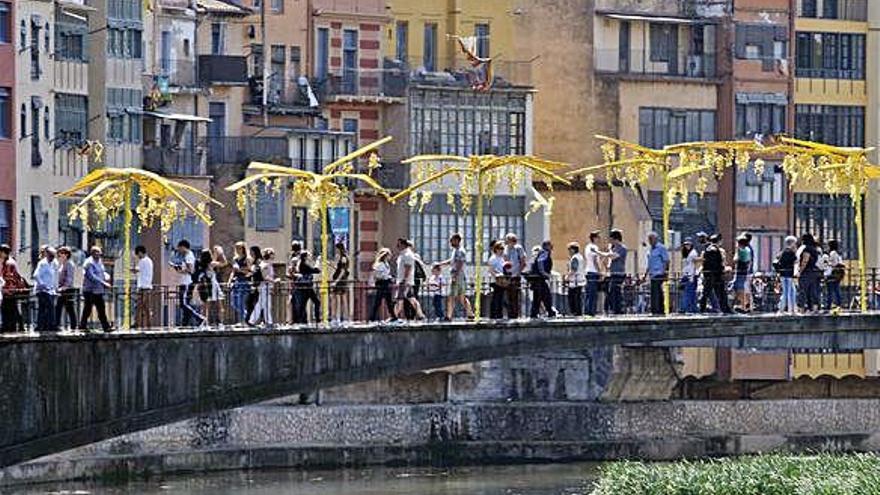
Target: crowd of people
(247,283)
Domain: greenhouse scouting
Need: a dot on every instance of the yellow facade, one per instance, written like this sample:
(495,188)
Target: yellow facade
(452,17)
(834,365)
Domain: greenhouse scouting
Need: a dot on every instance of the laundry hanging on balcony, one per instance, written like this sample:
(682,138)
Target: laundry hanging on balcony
(481,76)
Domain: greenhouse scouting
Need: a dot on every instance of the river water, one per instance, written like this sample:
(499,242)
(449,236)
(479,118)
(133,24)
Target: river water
(555,479)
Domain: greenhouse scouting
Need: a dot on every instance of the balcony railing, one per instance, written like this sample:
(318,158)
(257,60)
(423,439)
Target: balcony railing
(220,69)
(175,161)
(849,10)
(643,62)
(506,72)
(243,149)
(390,82)
(180,72)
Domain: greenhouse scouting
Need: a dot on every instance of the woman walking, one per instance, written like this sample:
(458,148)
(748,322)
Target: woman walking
(263,309)
(340,284)
(576,279)
(238,281)
(500,278)
(255,278)
(383,280)
(784,266)
(742,267)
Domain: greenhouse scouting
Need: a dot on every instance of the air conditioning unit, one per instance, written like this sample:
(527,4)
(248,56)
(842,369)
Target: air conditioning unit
(695,65)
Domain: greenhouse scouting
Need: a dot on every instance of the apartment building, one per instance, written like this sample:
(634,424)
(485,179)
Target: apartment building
(8,129)
(51,101)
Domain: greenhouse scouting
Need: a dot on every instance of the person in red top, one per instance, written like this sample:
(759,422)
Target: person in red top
(14,288)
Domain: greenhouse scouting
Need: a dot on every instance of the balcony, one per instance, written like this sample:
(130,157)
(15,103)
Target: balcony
(244,149)
(390,82)
(175,161)
(506,73)
(179,72)
(222,70)
(847,10)
(641,63)
(282,100)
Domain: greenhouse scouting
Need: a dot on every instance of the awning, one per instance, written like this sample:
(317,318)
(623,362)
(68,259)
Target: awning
(178,116)
(76,5)
(661,20)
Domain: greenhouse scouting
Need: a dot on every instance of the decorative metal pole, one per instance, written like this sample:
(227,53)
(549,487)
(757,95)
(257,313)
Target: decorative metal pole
(325,265)
(478,242)
(860,230)
(126,259)
(667,210)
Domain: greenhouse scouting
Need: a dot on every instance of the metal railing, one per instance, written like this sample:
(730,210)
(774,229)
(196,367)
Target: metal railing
(647,62)
(243,149)
(176,161)
(236,303)
(180,72)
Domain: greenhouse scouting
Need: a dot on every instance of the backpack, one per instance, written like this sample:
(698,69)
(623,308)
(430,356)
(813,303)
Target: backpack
(419,268)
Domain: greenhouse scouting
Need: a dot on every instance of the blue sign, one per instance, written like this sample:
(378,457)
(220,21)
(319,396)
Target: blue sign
(340,218)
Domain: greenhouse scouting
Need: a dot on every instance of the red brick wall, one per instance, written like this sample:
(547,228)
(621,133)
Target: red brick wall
(8,146)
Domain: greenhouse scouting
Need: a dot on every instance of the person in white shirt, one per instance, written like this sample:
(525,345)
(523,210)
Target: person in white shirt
(499,280)
(406,279)
(184,264)
(436,286)
(688,284)
(591,260)
(518,259)
(835,271)
(576,279)
(144,270)
(263,309)
(46,282)
(383,280)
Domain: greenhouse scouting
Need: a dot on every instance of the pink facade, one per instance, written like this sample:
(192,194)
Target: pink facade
(8,142)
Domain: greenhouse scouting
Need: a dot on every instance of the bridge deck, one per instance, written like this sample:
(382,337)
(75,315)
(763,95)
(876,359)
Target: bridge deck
(63,390)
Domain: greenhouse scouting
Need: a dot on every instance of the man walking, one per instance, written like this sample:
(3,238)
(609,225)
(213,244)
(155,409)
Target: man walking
(713,276)
(46,282)
(66,290)
(540,275)
(658,270)
(458,280)
(406,274)
(144,271)
(184,265)
(95,283)
(617,254)
(514,254)
(297,305)
(591,259)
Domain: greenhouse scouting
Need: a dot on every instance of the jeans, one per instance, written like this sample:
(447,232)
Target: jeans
(46,312)
(383,293)
(92,300)
(832,294)
(576,300)
(714,290)
(188,313)
(658,306)
(66,304)
(240,291)
(439,310)
(688,300)
(592,294)
(810,289)
(615,293)
(788,298)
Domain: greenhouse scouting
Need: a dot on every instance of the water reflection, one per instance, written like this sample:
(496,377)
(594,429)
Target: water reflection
(568,479)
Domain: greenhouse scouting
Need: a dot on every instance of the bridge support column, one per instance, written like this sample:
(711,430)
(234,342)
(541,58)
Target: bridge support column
(641,373)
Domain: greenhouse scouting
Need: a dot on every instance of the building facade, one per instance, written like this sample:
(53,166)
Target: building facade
(8,126)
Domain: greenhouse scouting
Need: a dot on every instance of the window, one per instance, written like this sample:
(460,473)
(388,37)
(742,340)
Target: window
(349,61)
(464,123)
(429,55)
(36,156)
(830,55)
(829,9)
(71,119)
(808,8)
(218,38)
(322,53)
(402,39)
(125,120)
(827,216)
(22,121)
(433,226)
(659,127)
(481,31)
(295,62)
(350,125)
(765,42)
(70,232)
(663,42)
(189,228)
(5,23)
(266,215)
(760,113)
(830,124)
(5,113)
(70,41)
(126,43)
(46,124)
(277,6)
(767,189)
(47,39)
(35,51)
(22,35)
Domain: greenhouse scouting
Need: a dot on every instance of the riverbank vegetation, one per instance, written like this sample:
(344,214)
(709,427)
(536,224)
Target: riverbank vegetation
(822,474)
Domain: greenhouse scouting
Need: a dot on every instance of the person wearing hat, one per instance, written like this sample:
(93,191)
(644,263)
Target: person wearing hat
(742,264)
(46,287)
(688,284)
(383,280)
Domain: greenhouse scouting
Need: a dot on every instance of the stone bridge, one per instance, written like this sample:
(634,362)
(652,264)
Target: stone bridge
(61,391)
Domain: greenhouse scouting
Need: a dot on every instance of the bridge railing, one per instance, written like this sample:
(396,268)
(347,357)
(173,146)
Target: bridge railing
(232,304)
